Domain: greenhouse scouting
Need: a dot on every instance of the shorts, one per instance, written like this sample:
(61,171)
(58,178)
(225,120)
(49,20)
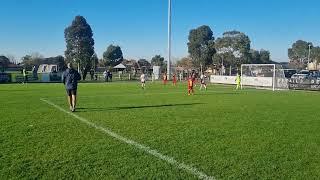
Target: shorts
(143,81)
(71,92)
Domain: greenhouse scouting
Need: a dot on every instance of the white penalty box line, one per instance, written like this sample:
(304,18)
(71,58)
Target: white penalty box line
(153,152)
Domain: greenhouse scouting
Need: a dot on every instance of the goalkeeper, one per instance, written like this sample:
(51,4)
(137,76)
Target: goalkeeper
(238,81)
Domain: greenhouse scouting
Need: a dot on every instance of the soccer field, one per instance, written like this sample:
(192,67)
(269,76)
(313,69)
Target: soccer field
(120,131)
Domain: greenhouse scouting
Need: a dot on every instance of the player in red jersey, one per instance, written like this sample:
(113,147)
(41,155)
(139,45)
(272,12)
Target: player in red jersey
(190,85)
(194,78)
(165,79)
(174,80)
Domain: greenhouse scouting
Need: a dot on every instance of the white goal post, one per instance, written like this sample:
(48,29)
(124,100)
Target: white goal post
(265,76)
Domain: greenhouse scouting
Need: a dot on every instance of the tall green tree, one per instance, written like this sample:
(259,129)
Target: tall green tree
(94,61)
(186,63)
(158,60)
(80,44)
(264,56)
(315,54)
(201,46)
(255,56)
(35,59)
(144,65)
(260,57)
(298,54)
(112,56)
(233,48)
(299,51)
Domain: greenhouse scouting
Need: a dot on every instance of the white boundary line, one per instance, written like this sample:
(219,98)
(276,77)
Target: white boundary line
(142,147)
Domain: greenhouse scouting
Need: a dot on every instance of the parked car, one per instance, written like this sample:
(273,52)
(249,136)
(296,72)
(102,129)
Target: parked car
(314,73)
(289,72)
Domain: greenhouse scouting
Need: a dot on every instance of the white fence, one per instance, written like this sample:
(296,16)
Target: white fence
(246,81)
(223,79)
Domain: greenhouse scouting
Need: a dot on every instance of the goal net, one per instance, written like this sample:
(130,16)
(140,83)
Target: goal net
(265,76)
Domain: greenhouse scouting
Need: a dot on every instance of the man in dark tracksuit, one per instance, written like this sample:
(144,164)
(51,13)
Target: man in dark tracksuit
(70,79)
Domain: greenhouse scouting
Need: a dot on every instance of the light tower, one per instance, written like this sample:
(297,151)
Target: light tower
(169,40)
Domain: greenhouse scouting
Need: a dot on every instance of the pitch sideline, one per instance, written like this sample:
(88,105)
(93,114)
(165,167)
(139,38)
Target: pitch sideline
(142,147)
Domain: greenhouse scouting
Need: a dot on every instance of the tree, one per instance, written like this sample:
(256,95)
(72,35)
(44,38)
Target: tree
(233,48)
(79,42)
(264,56)
(4,62)
(260,57)
(298,54)
(112,56)
(144,65)
(315,54)
(186,63)
(157,60)
(34,59)
(255,56)
(201,46)
(27,61)
(12,58)
(94,61)
(131,65)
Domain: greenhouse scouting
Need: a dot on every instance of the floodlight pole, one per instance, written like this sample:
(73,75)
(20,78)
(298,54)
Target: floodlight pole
(169,40)
(309,53)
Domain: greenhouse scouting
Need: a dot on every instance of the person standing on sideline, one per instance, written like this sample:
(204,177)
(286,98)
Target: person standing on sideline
(143,81)
(70,79)
(238,81)
(25,76)
(92,74)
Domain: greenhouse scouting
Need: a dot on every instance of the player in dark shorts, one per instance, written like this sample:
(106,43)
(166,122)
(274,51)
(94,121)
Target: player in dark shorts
(70,79)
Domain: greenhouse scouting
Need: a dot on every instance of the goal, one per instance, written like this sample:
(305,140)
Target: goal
(265,76)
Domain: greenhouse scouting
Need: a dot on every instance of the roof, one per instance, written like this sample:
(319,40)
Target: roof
(119,66)
(13,66)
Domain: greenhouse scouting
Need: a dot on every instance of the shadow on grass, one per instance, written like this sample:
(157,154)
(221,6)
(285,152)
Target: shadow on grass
(81,109)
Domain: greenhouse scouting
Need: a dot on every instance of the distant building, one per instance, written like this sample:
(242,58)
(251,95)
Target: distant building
(314,66)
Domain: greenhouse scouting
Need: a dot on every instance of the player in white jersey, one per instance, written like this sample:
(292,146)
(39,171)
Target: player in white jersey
(143,81)
(203,82)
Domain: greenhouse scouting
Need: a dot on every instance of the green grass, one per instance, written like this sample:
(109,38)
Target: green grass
(227,134)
